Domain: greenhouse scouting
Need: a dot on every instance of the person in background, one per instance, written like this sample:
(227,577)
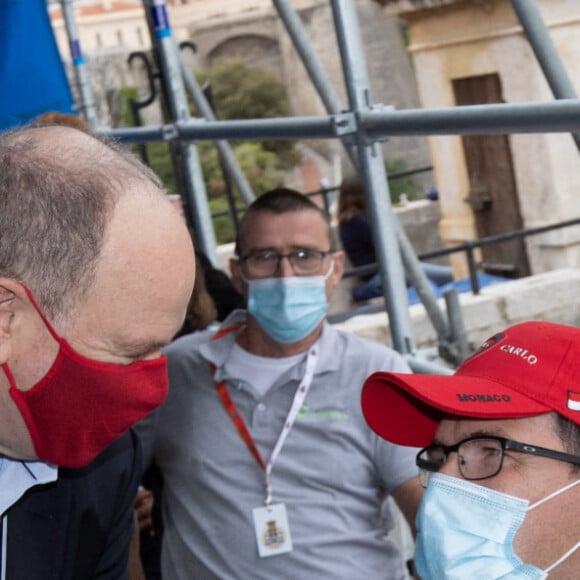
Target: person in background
(501,456)
(66,119)
(269,468)
(357,241)
(201,310)
(96,269)
(219,286)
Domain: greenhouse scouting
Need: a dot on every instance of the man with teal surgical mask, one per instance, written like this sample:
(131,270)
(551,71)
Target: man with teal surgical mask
(269,468)
(500,457)
(287,289)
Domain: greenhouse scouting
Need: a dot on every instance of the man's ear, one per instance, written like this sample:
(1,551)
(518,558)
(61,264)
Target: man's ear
(338,269)
(12,295)
(236,276)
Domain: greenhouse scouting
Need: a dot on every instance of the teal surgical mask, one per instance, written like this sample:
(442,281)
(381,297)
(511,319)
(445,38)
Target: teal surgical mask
(288,309)
(466,531)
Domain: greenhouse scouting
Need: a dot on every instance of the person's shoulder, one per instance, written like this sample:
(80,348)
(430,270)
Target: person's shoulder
(351,339)
(372,351)
(366,344)
(359,219)
(188,343)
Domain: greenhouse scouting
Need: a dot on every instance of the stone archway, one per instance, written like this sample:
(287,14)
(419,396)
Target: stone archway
(251,49)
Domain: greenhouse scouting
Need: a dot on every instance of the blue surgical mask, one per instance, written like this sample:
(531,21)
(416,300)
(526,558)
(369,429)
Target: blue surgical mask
(466,531)
(288,309)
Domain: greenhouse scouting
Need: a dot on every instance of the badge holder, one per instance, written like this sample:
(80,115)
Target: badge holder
(272,530)
(271,521)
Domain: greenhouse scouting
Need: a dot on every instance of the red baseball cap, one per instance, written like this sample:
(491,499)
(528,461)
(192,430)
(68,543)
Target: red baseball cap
(526,370)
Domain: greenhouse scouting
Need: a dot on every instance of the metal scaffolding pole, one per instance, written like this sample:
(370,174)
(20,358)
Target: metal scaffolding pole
(313,66)
(423,287)
(170,68)
(382,218)
(334,106)
(204,108)
(500,119)
(541,42)
(408,255)
(87,102)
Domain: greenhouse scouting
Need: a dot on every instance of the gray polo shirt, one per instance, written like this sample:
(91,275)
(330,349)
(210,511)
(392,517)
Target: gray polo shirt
(332,474)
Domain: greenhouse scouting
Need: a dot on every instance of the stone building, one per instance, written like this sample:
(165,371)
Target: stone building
(475,51)
(250,30)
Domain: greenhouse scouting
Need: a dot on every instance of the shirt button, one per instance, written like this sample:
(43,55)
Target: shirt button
(261,407)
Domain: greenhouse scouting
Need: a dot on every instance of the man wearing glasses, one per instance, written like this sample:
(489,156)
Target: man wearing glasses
(502,458)
(270,470)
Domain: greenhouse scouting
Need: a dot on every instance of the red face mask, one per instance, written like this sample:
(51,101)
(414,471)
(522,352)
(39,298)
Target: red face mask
(82,405)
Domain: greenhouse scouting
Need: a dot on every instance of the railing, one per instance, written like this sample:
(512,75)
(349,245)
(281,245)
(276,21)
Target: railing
(469,248)
(450,297)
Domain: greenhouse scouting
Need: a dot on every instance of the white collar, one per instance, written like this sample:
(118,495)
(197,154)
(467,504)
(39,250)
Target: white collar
(16,477)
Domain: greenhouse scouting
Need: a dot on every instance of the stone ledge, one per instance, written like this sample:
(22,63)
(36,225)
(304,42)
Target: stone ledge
(551,296)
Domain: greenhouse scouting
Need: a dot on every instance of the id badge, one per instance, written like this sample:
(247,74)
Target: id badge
(272,530)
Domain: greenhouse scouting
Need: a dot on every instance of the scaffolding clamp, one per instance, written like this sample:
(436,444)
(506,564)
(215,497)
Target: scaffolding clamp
(170,131)
(380,108)
(344,124)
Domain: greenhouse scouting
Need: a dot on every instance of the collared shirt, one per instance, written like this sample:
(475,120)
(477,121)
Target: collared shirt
(16,477)
(331,473)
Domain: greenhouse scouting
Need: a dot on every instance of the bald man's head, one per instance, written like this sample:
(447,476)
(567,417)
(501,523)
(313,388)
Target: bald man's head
(58,189)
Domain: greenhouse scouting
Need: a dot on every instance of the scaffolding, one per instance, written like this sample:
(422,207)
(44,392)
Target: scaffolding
(360,126)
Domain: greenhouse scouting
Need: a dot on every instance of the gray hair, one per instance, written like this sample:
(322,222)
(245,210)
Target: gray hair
(58,189)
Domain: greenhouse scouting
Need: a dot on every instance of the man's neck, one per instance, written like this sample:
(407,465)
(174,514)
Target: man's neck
(253,339)
(15,441)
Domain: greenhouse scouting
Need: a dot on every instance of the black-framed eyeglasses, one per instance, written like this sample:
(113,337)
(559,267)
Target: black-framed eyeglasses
(480,457)
(304,262)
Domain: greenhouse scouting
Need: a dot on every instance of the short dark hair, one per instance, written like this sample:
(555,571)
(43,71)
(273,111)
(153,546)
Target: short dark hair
(569,433)
(351,199)
(279,201)
(57,194)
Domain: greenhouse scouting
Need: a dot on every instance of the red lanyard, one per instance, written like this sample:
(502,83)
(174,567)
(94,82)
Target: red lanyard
(230,406)
(239,423)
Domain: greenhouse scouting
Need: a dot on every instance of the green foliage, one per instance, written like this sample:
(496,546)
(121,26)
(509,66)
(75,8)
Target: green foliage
(238,92)
(399,185)
(160,160)
(156,155)
(243,92)
(258,165)
(223,226)
(404,30)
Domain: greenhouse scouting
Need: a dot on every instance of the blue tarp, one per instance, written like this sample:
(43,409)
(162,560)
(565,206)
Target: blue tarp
(32,76)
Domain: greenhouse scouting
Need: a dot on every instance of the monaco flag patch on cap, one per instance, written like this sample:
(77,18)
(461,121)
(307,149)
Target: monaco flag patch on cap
(573,400)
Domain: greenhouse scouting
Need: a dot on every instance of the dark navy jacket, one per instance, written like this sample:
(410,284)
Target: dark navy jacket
(79,527)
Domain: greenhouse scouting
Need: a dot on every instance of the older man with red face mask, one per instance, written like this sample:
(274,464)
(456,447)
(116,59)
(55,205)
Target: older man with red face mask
(96,269)
(501,456)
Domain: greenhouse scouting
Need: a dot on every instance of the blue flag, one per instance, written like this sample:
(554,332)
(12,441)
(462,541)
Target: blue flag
(32,76)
